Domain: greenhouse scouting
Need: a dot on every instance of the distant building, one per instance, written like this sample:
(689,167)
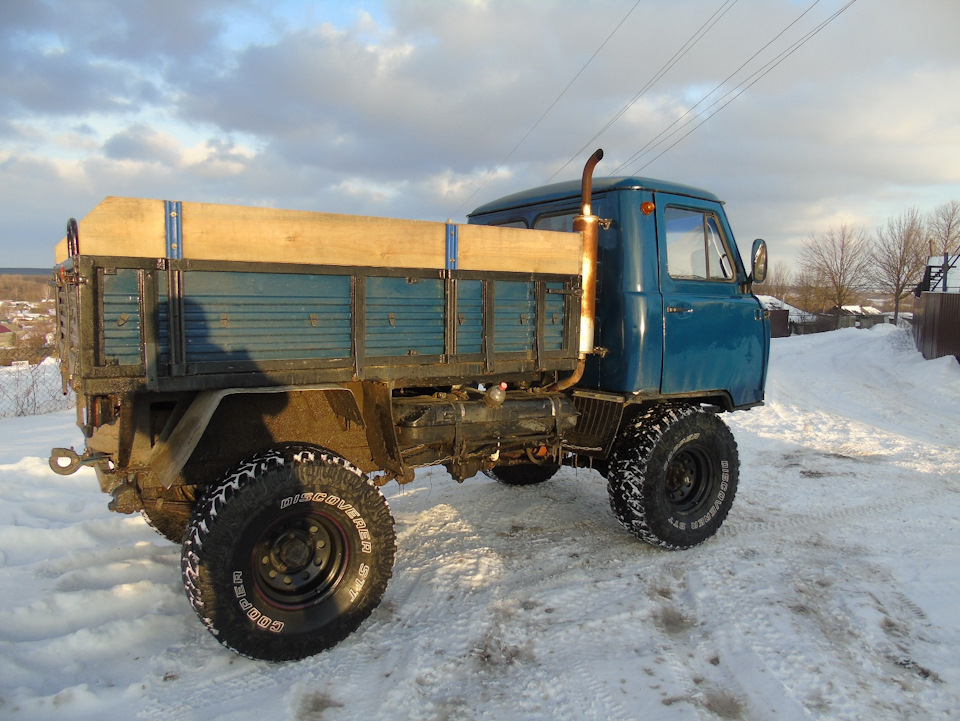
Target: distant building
(8,337)
(784,318)
(861,310)
(858,316)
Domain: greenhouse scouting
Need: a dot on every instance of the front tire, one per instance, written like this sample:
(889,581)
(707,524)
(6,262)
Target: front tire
(673,476)
(288,554)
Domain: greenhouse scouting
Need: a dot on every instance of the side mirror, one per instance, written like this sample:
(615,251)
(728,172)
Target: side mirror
(759,271)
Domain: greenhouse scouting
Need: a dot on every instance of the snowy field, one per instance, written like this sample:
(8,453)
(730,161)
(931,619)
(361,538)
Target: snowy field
(832,592)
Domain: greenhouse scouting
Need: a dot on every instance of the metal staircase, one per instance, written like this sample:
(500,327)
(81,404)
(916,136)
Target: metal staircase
(934,277)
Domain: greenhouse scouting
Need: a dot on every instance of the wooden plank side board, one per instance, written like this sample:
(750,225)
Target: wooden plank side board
(135,227)
(125,227)
(232,232)
(490,247)
(132,227)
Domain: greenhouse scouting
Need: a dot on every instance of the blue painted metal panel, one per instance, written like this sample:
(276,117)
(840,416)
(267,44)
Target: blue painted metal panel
(469,316)
(553,319)
(714,334)
(629,309)
(174,228)
(404,317)
(121,317)
(163,314)
(514,316)
(629,306)
(232,316)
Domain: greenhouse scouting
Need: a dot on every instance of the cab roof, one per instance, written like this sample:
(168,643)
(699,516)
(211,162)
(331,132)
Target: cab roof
(571,189)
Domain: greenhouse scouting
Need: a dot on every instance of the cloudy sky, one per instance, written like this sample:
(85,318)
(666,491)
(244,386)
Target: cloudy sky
(429,108)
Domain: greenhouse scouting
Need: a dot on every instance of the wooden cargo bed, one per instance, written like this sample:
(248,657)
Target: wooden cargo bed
(228,296)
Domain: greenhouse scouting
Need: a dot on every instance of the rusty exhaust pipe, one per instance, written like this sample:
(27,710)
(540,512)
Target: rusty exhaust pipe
(588,225)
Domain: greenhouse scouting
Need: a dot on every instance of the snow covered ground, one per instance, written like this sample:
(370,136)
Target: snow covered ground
(830,593)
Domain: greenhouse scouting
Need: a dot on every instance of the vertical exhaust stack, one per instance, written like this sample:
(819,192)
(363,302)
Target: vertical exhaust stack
(588,225)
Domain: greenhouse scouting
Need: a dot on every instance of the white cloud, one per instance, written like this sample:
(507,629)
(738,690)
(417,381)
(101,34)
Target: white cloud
(404,108)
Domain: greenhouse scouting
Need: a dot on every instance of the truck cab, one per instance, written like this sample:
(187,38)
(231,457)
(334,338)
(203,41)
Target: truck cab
(676,314)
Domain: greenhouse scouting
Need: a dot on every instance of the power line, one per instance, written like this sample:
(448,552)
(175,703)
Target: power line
(663,136)
(664,69)
(654,142)
(738,90)
(546,112)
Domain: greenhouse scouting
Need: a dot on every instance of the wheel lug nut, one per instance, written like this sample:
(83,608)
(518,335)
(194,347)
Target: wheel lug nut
(273,574)
(321,544)
(287,580)
(313,529)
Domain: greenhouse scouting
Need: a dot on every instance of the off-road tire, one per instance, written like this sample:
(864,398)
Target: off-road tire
(524,474)
(288,553)
(673,475)
(168,511)
(171,526)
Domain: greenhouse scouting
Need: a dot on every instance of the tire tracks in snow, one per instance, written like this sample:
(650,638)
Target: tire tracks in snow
(843,632)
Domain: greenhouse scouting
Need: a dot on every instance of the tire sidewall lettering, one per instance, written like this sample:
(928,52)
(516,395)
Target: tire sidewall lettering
(353,515)
(269,618)
(717,493)
(256,616)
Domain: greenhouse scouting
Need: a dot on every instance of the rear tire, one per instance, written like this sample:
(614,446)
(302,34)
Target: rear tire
(673,476)
(288,554)
(171,526)
(524,474)
(168,511)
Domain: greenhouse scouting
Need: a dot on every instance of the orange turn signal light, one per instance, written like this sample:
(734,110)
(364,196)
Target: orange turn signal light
(647,207)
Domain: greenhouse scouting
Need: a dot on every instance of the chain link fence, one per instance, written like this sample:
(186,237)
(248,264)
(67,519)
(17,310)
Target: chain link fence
(30,383)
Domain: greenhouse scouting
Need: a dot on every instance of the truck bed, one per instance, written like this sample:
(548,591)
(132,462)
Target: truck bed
(189,296)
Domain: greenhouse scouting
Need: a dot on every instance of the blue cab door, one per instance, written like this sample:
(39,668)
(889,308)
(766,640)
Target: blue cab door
(715,332)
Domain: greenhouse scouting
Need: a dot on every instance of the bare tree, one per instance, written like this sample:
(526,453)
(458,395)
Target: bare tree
(811,291)
(778,283)
(944,226)
(899,256)
(838,260)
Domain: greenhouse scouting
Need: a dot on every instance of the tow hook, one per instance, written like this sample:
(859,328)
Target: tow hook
(66,461)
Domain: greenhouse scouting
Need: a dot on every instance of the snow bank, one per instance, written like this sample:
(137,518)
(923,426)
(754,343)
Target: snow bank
(830,593)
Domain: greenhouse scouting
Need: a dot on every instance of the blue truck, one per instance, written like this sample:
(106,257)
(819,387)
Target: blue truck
(249,378)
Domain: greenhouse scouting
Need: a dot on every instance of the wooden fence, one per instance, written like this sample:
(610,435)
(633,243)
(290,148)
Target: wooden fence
(936,324)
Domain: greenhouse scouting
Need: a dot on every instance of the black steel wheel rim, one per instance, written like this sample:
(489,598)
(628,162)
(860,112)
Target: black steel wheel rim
(300,560)
(688,480)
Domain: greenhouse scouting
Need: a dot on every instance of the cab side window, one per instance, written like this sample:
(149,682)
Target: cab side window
(562,222)
(696,248)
